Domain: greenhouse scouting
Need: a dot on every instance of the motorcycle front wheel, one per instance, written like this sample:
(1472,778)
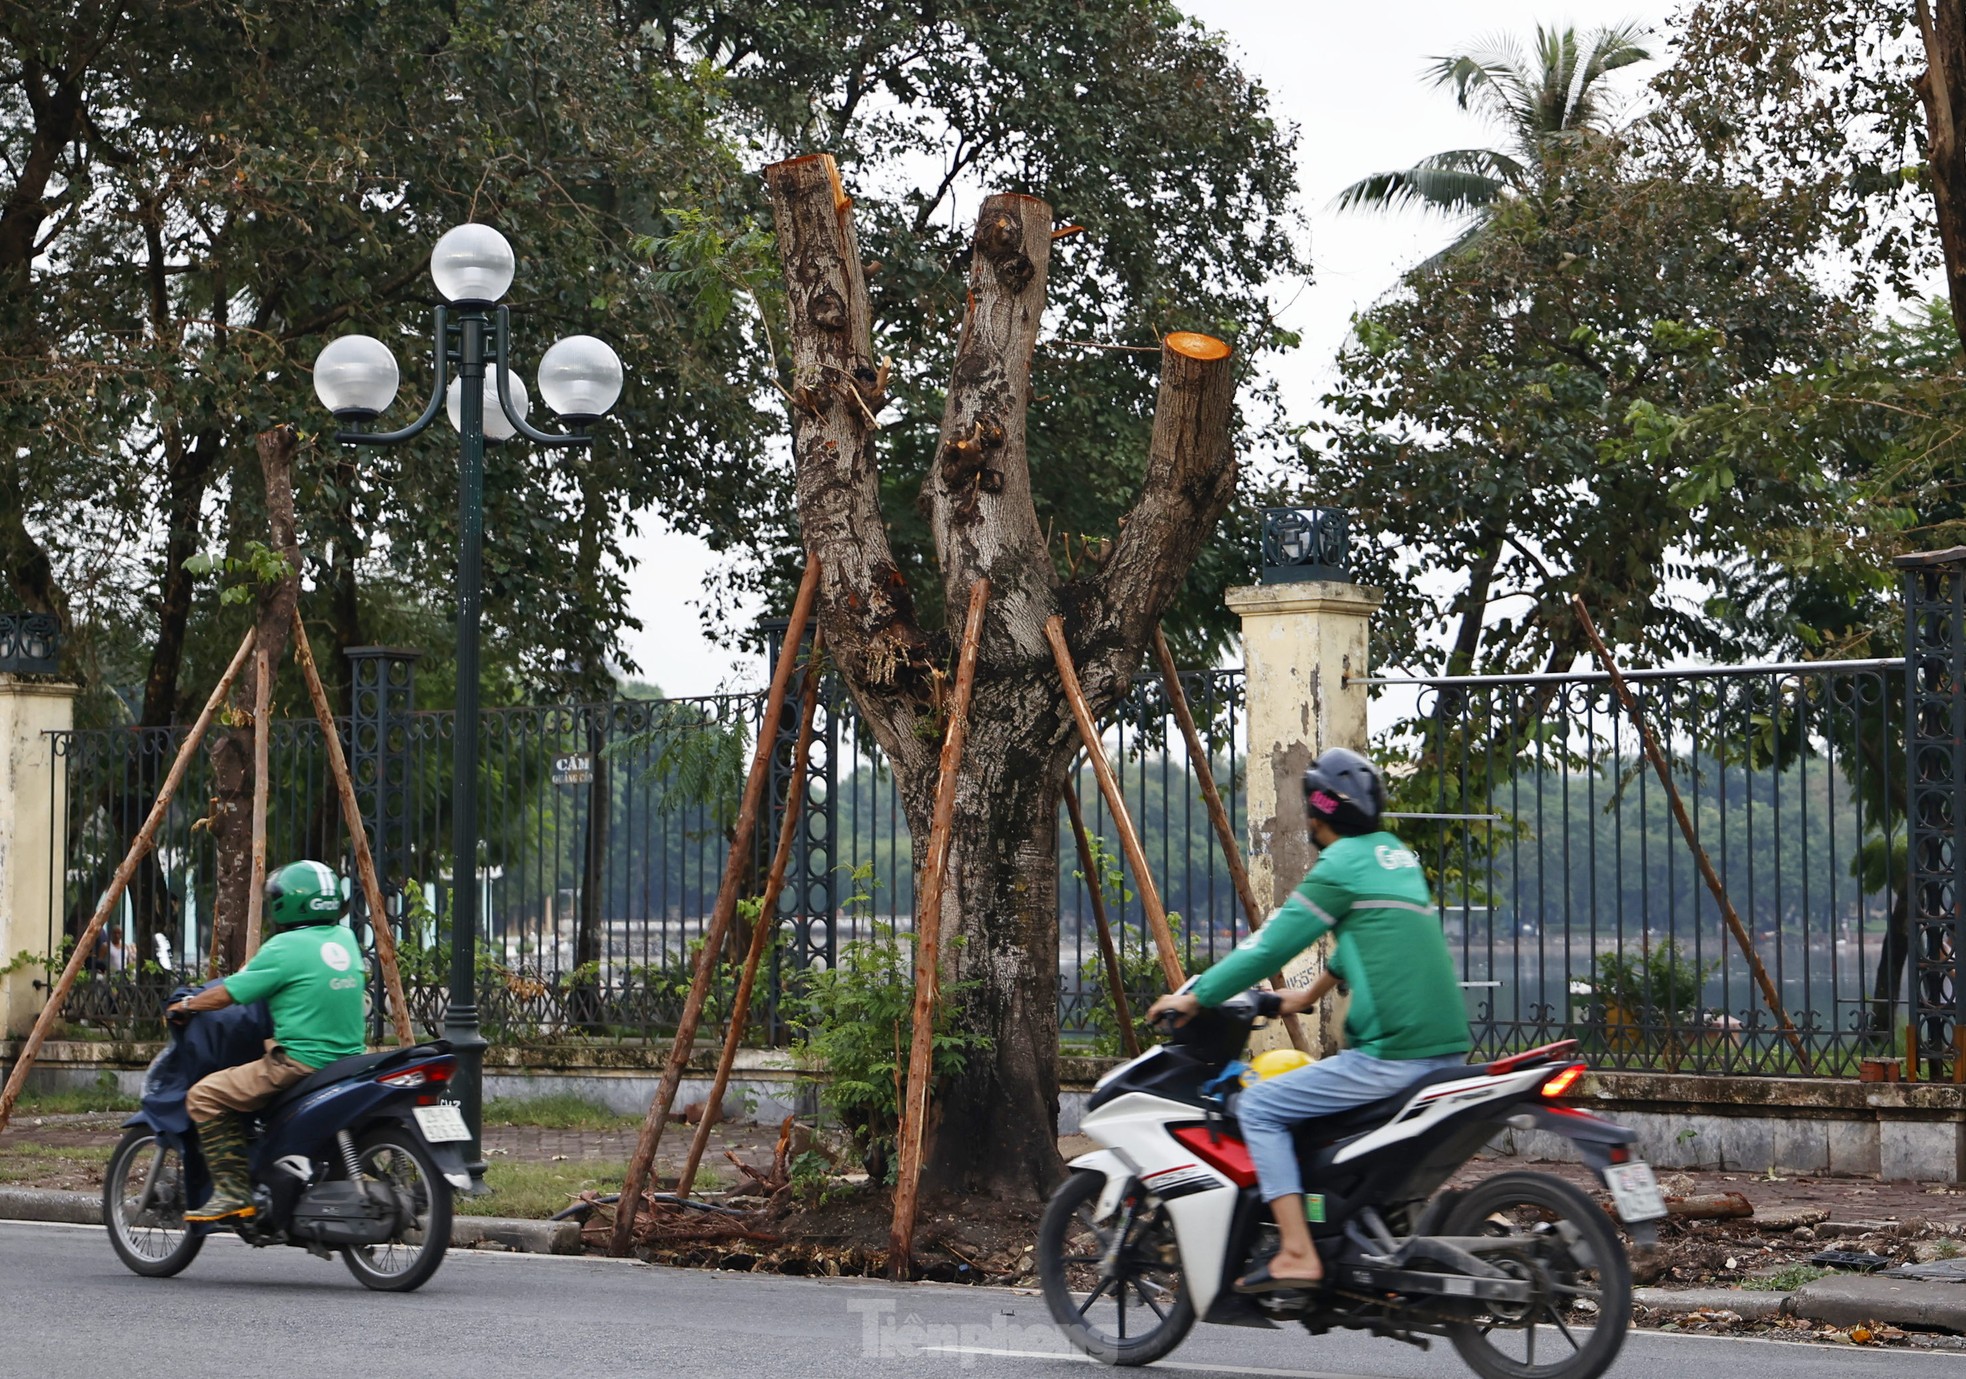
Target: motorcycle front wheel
(1564,1246)
(143,1206)
(1114,1287)
(396,1158)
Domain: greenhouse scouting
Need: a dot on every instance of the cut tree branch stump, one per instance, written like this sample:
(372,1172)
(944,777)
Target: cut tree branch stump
(145,839)
(1136,856)
(913,1134)
(735,866)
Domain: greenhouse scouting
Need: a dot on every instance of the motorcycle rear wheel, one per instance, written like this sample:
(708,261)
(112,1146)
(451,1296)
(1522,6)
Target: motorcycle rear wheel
(1570,1250)
(143,1206)
(396,1157)
(1089,1304)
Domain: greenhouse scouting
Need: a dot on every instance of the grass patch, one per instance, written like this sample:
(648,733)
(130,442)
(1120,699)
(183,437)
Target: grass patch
(71,1101)
(535,1191)
(1785,1280)
(556,1111)
(36,1163)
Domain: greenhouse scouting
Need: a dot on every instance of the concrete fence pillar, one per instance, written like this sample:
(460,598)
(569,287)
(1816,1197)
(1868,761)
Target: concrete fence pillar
(1305,635)
(33,835)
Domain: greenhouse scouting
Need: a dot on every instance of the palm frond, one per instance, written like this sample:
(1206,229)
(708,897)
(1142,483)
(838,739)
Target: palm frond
(1451,190)
(1492,78)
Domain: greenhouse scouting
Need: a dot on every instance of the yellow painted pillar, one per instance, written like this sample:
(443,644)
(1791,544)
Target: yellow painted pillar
(33,835)
(1304,647)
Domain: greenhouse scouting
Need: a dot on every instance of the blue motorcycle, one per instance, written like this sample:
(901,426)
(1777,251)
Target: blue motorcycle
(360,1158)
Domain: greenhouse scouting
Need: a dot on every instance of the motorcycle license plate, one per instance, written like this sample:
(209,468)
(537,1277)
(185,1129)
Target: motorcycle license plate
(444,1122)
(1635,1192)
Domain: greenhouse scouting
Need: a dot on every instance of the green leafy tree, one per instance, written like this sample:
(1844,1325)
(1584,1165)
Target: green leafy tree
(1493,418)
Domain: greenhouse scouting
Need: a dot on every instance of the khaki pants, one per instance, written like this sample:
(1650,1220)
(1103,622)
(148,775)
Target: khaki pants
(246,1087)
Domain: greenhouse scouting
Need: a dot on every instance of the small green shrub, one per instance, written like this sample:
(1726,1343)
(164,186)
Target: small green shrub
(859,1018)
(1659,980)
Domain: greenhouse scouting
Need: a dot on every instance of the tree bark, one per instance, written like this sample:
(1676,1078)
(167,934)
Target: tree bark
(1000,904)
(233,775)
(1942,89)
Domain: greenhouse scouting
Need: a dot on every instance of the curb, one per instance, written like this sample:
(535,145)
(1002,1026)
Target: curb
(1841,1301)
(1850,1301)
(467,1232)
(1752,1307)
(47,1204)
(521,1237)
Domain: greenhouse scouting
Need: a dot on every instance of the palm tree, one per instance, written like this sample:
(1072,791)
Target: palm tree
(1557,98)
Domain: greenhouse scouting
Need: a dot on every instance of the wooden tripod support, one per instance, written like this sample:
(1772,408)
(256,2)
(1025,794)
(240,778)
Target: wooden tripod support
(720,921)
(928,952)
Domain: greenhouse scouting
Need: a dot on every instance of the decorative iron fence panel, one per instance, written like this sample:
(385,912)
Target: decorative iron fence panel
(605,831)
(1575,907)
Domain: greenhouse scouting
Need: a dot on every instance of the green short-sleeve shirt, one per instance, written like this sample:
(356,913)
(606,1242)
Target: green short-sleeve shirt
(1372,892)
(313,981)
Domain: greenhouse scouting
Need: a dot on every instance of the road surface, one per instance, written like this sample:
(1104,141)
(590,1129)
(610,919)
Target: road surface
(68,1310)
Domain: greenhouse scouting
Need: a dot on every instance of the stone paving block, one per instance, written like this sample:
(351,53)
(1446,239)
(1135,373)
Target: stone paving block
(1853,1148)
(1925,1151)
(1801,1146)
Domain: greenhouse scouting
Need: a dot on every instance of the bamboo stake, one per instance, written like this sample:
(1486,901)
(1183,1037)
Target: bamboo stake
(1136,856)
(720,918)
(928,938)
(146,836)
(767,925)
(262,732)
(1218,815)
(351,815)
(1769,994)
(1129,1040)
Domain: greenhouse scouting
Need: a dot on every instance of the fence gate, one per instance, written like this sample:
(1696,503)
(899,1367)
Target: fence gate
(1935,748)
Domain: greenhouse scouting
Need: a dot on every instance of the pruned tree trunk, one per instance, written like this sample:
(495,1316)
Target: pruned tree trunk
(1000,903)
(232,750)
(1942,88)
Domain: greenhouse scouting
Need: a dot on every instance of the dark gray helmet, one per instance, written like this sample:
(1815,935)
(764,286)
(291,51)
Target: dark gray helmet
(1346,791)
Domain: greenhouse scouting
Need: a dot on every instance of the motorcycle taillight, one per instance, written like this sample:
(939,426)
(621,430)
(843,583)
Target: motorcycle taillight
(1561,1082)
(418,1075)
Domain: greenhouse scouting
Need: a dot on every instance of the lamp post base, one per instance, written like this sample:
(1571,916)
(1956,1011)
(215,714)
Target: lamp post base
(468,1087)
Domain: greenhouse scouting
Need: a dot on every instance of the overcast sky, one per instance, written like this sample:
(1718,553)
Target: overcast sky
(1348,76)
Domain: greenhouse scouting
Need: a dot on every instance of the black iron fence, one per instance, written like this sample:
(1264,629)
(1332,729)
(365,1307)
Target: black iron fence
(605,832)
(1574,904)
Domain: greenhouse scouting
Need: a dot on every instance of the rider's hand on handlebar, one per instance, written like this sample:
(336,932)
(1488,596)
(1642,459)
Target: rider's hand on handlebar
(1175,1009)
(178,1015)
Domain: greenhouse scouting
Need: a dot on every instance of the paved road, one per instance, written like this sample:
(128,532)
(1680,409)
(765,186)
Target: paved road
(68,1310)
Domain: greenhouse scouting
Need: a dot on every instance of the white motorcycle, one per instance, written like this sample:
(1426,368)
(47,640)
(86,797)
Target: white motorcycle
(1523,1273)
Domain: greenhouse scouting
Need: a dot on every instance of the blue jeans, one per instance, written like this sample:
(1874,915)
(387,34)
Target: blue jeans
(1268,1109)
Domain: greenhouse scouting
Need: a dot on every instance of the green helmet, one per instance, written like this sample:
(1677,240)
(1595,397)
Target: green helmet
(303,893)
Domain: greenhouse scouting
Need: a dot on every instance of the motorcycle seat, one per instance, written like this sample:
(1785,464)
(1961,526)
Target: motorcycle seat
(1356,1120)
(338,1071)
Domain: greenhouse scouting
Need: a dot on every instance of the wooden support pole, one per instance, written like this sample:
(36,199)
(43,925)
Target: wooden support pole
(1218,815)
(720,918)
(1769,993)
(351,816)
(761,932)
(1115,977)
(262,732)
(146,837)
(928,946)
(1136,856)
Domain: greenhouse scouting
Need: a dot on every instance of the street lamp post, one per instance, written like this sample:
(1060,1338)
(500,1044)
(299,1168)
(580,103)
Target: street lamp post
(579,378)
